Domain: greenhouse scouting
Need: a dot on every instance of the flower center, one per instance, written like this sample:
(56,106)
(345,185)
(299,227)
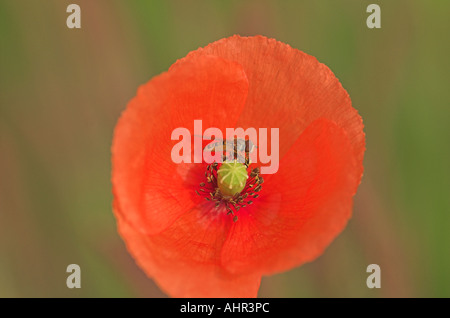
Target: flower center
(231,186)
(232,177)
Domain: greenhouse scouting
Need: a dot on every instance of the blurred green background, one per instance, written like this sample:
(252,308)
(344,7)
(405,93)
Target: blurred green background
(62,90)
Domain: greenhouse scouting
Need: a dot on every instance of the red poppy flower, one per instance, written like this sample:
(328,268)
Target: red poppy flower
(182,241)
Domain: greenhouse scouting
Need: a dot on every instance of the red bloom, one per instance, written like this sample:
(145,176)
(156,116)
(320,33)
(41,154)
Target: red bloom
(189,247)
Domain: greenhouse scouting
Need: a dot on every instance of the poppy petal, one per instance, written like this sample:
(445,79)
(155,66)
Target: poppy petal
(151,190)
(182,259)
(301,209)
(289,89)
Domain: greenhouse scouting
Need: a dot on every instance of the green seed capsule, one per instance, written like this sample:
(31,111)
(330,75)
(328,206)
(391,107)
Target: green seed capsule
(232,177)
